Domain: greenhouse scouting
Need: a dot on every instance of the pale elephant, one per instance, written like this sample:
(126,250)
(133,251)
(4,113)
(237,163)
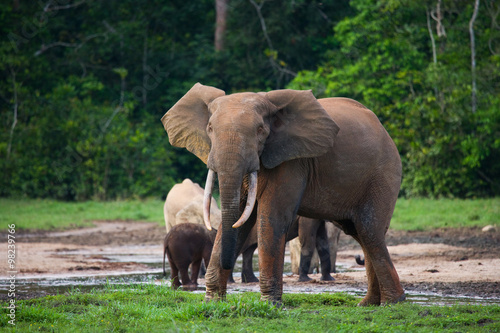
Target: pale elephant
(285,153)
(184,204)
(315,247)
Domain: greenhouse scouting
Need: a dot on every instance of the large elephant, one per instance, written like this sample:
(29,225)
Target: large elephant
(286,153)
(187,244)
(184,204)
(316,244)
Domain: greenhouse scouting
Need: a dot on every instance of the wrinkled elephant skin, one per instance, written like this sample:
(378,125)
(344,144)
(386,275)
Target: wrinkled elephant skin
(325,159)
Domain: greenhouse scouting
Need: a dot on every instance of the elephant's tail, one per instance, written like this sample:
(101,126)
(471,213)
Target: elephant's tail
(359,261)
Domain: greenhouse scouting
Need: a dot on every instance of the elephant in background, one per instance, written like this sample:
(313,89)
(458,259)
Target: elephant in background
(285,153)
(187,244)
(184,204)
(317,242)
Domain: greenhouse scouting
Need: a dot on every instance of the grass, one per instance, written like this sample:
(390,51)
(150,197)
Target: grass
(154,308)
(428,214)
(410,214)
(50,214)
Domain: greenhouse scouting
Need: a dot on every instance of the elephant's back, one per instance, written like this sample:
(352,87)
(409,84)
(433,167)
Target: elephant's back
(352,117)
(182,194)
(188,235)
(360,129)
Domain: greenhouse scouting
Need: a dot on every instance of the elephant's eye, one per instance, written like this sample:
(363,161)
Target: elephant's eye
(209,128)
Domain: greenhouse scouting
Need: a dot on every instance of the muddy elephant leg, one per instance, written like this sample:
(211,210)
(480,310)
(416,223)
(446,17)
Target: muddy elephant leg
(271,261)
(373,294)
(216,278)
(247,274)
(175,277)
(308,229)
(230,278)
(174,271)
(333,236)
(383,280)
(282,190)
(195,270)
(323,248)
(378,260)
(186,280)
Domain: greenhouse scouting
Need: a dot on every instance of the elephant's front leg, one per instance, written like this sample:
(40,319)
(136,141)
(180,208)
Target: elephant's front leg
(282,190)
(271,261)
(216,277)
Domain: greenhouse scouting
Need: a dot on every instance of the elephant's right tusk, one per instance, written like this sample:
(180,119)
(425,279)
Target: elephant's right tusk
(252,195)
(207,198)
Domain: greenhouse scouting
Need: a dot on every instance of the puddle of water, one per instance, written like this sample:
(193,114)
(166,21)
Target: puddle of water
(54,285)
(148,255)
(57,285)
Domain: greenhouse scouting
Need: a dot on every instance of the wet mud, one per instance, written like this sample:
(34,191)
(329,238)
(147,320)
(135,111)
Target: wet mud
(456,265)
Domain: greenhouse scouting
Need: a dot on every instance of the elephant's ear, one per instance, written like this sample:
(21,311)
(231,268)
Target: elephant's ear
(187,120)
(300,128)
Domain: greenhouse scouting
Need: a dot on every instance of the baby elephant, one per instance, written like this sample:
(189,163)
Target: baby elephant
(187,244)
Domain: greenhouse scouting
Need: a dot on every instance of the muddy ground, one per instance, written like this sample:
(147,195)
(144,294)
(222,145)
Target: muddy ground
(445,262)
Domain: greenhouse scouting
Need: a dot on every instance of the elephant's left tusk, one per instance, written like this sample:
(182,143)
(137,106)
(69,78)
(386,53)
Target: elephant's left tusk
(252,195)
(207,198)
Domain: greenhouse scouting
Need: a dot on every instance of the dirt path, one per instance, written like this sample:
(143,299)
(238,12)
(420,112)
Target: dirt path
(448,262)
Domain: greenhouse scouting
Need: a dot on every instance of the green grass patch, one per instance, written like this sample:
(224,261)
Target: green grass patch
(410,214)
(50,214)
(428,214)
(152,308)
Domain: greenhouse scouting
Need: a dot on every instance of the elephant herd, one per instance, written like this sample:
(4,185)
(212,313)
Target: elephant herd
(188,242)
(282,154)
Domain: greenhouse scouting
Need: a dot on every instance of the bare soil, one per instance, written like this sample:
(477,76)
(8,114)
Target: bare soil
(462,261)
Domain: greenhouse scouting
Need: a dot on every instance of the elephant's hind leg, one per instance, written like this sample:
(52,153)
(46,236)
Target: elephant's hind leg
(247,274)
(174,270)
(383,280)
(324,252)
(186,280)
(195,271)
(373,294)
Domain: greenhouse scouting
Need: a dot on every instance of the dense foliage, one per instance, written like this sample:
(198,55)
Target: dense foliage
(86,82)
(383,57)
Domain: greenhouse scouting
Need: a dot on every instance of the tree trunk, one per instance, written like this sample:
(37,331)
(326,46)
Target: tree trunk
(221,22)
(473,55)
(14,120)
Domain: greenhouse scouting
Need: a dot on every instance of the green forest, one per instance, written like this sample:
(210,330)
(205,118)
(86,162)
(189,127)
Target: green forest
(85,83)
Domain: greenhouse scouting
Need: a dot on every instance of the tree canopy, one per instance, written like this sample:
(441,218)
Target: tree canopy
(85,83)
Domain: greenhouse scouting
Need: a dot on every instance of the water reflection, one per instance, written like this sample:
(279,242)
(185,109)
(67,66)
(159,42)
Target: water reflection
(27,287)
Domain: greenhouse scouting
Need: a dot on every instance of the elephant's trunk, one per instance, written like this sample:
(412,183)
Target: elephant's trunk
(207,199)
(230,208)
(252,195)
(230,188)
